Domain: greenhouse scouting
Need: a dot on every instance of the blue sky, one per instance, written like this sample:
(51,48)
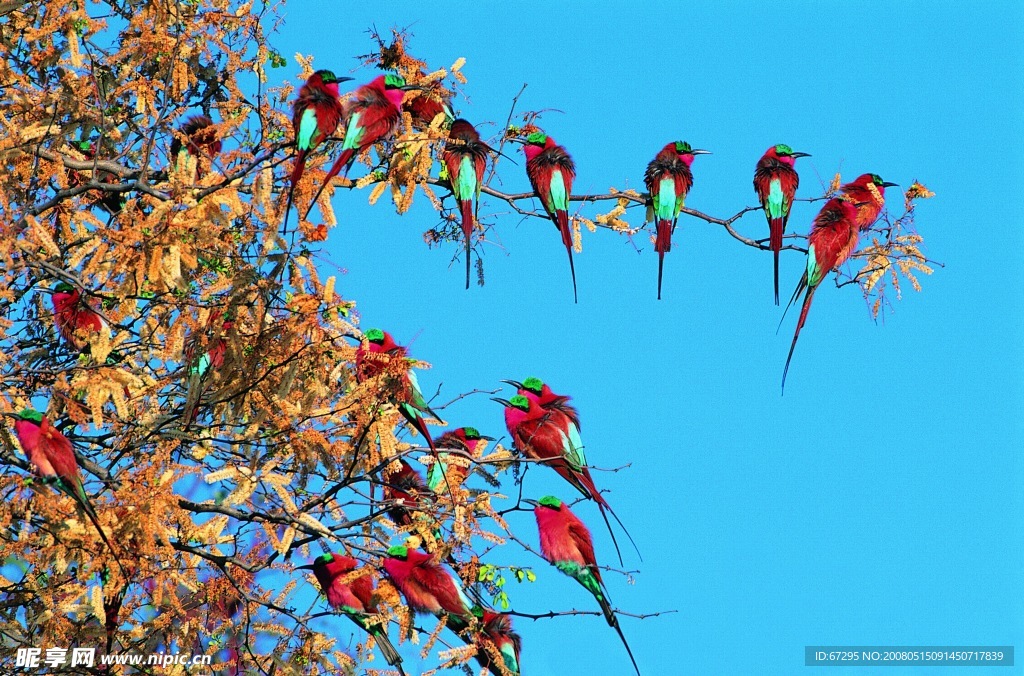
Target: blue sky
(880,500)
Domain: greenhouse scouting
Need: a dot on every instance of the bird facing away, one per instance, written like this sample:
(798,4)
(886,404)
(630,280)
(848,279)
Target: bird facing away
(551,172)
(466,440)
(669,179)
(428,587)
(372,115)
(76,320)
(373,357)
(833,238)
(203,144)
(465,158)
(496,629)
(775,182)
(353,598)
(406,490)
(566,544)
(867,191)
(316,114)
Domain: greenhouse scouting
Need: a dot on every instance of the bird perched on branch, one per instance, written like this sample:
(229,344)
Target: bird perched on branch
(316,114)
(669,179)
(551,172)
(353,598)
(833,238)
(372,116)
(867,191)
(554,439)
(775,182)
(465,158)
(566,544)
(373,356)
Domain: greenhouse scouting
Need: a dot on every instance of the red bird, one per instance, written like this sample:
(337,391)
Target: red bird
(203,143)
(669,179)
(833,238)
(465,157)
(354,598)
(464,440)
(551,172)
(565,543)
(372,115)
(315,116)
(373,357)
(552,438)
(538,390)
(53,459)
(496,629)
(405,485)
(775,182)
(74,318)
(869,201)
(427,586)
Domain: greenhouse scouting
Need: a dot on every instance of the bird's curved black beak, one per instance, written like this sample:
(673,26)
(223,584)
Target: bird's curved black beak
(531,502)
(700,152)
(486,438)
(343,79)
(800,155)
(887,184)
(503,402)
(308,566)
(514,383)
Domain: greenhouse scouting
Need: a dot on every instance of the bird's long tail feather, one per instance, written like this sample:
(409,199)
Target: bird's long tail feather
(662,243)
(796,334)
(776,226)
(387,649)
(625,643)
(467,231)
(87,507)
(585,485)
(562,221)
(343,160)
(297,171)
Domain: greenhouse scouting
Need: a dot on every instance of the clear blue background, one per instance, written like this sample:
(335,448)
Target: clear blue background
(880,500)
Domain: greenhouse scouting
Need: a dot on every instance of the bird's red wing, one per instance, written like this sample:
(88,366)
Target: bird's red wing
(59,452)
(581,538)
(834,238)
(539,439)
(435,581)
(378,119)
(362,589)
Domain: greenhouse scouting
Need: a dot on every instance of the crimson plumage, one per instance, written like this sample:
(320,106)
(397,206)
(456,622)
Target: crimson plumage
(426,585)
(833,238)
(668,179)
(371,116)
(374,356)
(316,113)
(76,320)
(202,142)
(867,192)
(464,144)
(551,172)
(776,182)
(354,598)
